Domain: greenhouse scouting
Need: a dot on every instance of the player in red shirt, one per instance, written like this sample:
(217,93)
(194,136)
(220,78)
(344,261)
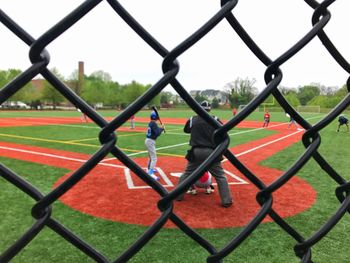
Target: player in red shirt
(234,111)
(266,119)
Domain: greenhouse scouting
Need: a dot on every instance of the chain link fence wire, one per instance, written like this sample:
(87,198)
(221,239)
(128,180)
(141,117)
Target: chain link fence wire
(42,210)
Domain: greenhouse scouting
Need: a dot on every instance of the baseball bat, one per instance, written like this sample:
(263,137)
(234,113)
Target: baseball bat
(154,108)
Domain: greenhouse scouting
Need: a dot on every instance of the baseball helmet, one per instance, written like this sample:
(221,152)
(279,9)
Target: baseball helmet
(154,116)
(206,105)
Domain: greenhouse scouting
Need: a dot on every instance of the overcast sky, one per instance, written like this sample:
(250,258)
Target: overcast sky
(104,42)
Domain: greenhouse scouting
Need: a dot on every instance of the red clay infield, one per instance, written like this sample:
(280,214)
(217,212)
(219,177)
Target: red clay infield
(111,192)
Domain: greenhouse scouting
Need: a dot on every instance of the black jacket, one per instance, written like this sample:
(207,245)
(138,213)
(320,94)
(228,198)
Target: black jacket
(201,132)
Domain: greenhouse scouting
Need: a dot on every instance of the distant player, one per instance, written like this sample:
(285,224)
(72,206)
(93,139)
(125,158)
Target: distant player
(291,121)
(343,120)
(83,116)
(204,182)
(153,132)
(266,119)
(132,122)
(234,111)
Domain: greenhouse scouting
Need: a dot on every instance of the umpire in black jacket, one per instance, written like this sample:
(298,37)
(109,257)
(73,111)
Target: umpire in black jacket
(202,146)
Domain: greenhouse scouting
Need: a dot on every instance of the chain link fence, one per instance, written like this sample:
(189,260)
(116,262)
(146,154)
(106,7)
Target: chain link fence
(42,210)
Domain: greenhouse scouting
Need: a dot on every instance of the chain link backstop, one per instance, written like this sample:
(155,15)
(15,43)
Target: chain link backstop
(42,210)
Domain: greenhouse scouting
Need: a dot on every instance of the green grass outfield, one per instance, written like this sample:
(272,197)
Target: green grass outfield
(268,243)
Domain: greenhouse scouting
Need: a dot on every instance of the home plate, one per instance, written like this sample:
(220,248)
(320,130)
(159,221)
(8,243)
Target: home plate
(236,179)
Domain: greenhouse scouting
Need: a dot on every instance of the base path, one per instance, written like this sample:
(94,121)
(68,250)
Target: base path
(112,192)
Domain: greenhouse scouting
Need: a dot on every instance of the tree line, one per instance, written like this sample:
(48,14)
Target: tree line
(242,91)
(98,88)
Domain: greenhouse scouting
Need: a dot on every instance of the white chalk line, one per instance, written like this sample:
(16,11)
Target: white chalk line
(121,166)
(160,148)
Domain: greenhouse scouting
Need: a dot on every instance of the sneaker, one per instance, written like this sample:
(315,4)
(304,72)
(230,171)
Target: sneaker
(208,191)
(192,191)
(227,205)
(154,177)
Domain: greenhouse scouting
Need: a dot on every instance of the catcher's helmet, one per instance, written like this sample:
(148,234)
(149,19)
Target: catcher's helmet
(154,116)
(206,105)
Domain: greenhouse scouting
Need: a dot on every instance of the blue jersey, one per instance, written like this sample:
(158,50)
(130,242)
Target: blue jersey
(153,130)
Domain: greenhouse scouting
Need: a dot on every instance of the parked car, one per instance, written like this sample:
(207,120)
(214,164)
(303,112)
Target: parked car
(14,105)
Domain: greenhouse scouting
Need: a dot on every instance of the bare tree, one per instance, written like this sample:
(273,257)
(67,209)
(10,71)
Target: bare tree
(240,91)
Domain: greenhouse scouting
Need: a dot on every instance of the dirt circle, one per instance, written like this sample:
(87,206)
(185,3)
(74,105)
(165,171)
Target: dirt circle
(113,193)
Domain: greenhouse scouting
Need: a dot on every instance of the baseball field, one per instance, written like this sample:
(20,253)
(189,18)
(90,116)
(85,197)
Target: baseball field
(111,207)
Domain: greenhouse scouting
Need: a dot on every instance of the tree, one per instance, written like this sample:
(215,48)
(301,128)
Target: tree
(328,91)
(156,100)
(292,99)
(50,94)
(330,97)
(178,100)
(132,91)
(215,103)
(199,98)
(114,97)
(6,76)
(98,87)
(73,81)
(166,98)
(285,90)
(342,92)
(240,91)
(306,93)
(101,75)
(95,90)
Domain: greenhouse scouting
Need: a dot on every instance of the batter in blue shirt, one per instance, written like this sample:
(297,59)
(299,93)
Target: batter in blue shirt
(153,132)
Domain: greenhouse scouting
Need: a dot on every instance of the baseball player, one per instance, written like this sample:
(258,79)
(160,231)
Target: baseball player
(266,119)
(292,122)
(204,182)
(153,132)
(201,147)
(132,122)
(83,116)
(343,121)
(234,111)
